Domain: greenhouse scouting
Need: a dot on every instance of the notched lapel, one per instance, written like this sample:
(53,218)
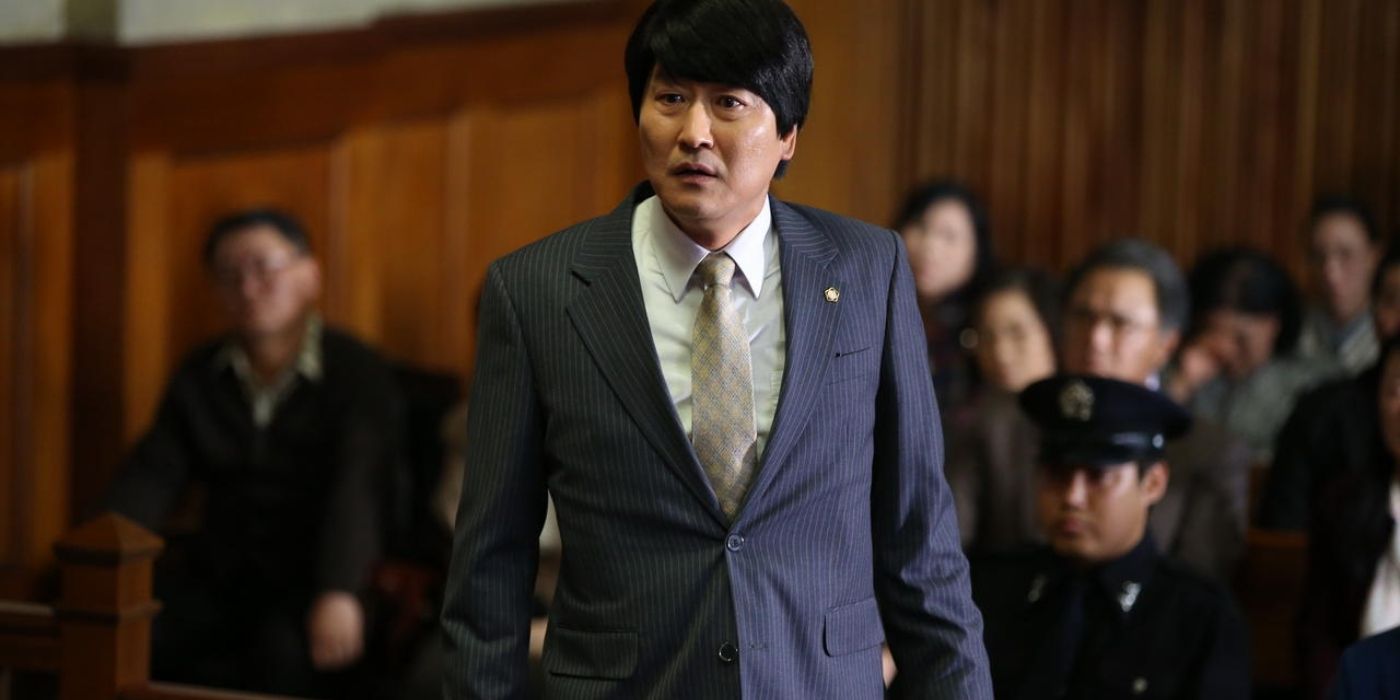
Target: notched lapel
(611,318)
(811,319)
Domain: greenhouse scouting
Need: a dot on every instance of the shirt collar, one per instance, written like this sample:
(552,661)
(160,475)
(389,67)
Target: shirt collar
(309,361)
(679,255)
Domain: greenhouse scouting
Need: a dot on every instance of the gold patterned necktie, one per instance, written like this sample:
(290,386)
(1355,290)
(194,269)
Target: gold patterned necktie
(722,416)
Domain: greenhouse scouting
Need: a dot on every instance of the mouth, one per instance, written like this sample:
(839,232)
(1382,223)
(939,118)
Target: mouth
(1070,527)
(693,171)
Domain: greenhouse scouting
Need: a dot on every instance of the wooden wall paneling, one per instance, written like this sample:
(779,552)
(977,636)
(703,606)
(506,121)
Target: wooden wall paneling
(971,131)
(1377,92)
(35,315)
(853,123)
(1119,113)
(49,369)
(406,193)
(99,315)
(1007,138)
(156,281)
(1266,131)
(1161,34)
(1188,168)
(1045,112)
(13,409)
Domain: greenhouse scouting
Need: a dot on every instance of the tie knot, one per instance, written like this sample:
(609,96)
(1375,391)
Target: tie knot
(716,268)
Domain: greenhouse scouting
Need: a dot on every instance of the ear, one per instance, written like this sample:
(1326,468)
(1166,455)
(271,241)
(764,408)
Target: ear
(789,143)
(311,278)
(1154,482)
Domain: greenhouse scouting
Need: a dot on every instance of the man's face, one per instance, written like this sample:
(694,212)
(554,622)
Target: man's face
(1113,327)
(1343,260)
(710,152)
(266,283)
(1094,515)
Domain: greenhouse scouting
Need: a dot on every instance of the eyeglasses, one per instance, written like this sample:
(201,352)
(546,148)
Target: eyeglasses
(258,269)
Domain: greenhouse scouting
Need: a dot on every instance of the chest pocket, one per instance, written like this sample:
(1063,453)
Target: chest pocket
(852,364)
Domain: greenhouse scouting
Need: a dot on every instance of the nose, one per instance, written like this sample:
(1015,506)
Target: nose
(695,128)
(1076,491)
(1101,335)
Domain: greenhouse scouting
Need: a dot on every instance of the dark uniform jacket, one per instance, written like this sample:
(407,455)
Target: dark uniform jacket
(1141,626)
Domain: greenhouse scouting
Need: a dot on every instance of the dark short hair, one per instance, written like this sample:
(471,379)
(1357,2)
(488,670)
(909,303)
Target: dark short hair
(283,223)
(1329,204)
(1038,286)
(923,197)
(1248,281)
(758,45)
(1173,296)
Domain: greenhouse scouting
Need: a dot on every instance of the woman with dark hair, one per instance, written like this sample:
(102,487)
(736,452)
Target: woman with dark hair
(1014,320)
(1343,249)
(1353,580)
(945,230)
(1239,366)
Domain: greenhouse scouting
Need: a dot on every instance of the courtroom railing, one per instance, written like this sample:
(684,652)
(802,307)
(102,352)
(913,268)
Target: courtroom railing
(97,638)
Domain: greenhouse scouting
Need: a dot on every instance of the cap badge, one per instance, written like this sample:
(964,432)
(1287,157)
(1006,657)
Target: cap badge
(1077,401)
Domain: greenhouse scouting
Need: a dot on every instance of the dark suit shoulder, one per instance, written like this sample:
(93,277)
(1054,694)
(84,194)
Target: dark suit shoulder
(558,249)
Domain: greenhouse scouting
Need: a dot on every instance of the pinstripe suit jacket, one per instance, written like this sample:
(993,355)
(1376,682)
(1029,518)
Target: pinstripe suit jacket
(847,538)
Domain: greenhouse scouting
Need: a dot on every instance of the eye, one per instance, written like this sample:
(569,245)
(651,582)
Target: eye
(730,102)
(670,98)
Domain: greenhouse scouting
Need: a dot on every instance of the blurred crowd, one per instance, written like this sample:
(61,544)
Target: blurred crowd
(328,477)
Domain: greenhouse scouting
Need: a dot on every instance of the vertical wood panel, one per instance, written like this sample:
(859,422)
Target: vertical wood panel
(12,330)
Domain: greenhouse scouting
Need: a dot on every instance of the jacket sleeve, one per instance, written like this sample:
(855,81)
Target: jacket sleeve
(158,467)
(921,580)
(495,551)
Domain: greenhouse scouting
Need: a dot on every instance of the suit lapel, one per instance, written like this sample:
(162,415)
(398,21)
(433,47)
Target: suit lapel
(805,254)
(611,318)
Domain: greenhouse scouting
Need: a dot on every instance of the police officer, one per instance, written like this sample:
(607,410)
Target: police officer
(1099,613)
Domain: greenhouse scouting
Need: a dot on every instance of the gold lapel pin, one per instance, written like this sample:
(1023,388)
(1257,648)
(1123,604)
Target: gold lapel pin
(833,294)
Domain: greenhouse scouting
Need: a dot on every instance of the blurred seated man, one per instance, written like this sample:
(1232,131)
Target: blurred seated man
(1123,311)
(1099,613)
(1332,427)
(288,427)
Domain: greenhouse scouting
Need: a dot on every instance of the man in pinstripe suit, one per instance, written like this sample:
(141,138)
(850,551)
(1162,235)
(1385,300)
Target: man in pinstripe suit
(727,399)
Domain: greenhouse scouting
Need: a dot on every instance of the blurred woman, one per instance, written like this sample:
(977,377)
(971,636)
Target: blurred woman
(1321,435)
(1353,579)
(1344,247)
(1015,322)
(1239,367)
(945,230)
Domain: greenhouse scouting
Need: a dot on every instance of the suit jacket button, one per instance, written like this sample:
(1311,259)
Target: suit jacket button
(734,543)
(728,653)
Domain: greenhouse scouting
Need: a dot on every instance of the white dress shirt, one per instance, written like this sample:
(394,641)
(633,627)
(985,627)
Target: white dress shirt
(1382,611)
(666,262)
